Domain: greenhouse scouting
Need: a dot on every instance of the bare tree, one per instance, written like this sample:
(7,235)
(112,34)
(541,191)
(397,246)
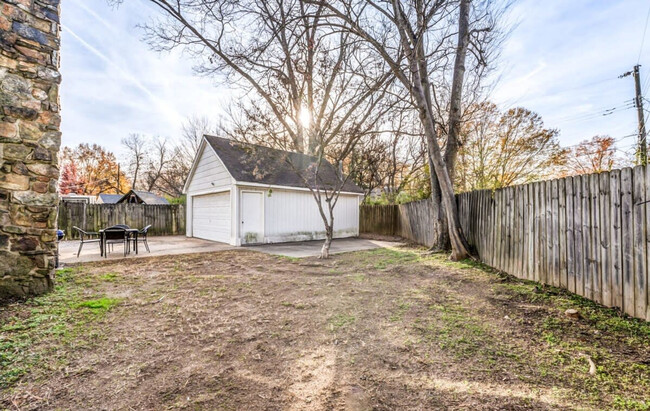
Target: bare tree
(193,130)
(413,38)
(135,145)
(310,87)
(392,158)
(157,161)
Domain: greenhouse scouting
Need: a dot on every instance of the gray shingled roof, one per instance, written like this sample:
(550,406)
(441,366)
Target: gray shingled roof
(110,198)
(251,163)
(145,196)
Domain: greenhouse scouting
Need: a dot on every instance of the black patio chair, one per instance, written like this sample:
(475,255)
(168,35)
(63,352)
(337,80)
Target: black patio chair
(116,235)
(142,236)
(86,237)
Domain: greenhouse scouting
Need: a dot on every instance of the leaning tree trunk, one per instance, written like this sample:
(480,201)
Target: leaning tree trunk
(442,239)
(459,246)
(420,92)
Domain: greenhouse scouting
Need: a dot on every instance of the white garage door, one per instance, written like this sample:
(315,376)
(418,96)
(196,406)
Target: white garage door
(211,217)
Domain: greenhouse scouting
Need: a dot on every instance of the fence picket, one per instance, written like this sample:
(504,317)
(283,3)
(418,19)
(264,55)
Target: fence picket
(605,238)
(595,238)
(616,252)
(570,236)
(627,241)
(639,224)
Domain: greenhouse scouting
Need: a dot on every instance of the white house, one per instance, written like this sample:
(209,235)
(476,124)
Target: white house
(241,193)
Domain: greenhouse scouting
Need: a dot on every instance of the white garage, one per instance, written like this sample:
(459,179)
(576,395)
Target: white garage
(247,194)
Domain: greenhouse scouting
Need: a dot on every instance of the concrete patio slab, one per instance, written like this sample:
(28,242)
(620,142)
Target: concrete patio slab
(312,248)
(163,245)
(172,245)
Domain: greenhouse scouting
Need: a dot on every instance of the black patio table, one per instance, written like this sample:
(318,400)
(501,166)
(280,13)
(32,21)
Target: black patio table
(132,233)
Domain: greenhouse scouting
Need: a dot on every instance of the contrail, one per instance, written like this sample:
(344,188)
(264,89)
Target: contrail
(126,75)
(97,17)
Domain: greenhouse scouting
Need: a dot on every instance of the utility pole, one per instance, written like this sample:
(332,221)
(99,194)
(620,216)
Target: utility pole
(642,149)
(117,188)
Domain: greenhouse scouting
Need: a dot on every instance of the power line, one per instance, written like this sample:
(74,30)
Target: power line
(616,140)
(601,113)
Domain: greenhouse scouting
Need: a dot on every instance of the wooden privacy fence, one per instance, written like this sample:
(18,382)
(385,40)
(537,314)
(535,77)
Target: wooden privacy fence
(166,219)
(588,234)
(413,221)
(379,219)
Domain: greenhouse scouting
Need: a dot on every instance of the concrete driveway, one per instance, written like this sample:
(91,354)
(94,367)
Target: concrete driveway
(171,245)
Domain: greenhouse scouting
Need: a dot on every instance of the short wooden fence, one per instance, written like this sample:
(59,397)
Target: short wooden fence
(588,234)
(166,219)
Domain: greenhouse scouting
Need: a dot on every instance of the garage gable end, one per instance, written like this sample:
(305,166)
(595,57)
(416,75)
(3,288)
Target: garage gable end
(208,172)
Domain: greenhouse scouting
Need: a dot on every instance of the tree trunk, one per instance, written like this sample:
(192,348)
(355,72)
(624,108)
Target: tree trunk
(455,111)
(459,246)
(419,86)
(442,240)
(441,233)
(325,251)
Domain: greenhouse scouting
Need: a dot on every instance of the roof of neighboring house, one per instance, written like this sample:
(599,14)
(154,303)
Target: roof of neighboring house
(109,198)
(145,196)
(252,163)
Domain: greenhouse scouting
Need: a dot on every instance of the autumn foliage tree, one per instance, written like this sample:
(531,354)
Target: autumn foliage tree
(595,155)
(70,182)
(97,168)
(500,149)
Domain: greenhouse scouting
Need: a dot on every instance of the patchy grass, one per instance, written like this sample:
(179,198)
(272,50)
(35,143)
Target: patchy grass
(402,308)
(37,328)
(341,320)
(110,277)
(385,257)
(297,306)
(390,328)
(100,304)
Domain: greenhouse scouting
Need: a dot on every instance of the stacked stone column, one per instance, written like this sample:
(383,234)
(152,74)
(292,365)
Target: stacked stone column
(29,143)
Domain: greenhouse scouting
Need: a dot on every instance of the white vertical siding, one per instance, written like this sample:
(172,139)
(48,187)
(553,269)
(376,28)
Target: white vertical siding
(292,215)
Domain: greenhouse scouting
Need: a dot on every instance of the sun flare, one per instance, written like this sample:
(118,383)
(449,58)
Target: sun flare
(304,116)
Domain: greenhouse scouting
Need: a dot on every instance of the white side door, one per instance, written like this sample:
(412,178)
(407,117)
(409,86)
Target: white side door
(252,217)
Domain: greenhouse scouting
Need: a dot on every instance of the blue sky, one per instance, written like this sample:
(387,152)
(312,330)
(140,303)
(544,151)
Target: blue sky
(562,61)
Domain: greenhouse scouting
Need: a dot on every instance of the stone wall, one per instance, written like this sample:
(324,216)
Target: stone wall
(29,143)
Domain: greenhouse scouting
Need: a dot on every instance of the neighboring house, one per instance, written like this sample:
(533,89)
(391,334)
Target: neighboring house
(243,194)
(108,198)
(78,198)
(132,197)
(142,197)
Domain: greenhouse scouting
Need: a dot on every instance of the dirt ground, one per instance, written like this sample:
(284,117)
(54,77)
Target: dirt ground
(380,329)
